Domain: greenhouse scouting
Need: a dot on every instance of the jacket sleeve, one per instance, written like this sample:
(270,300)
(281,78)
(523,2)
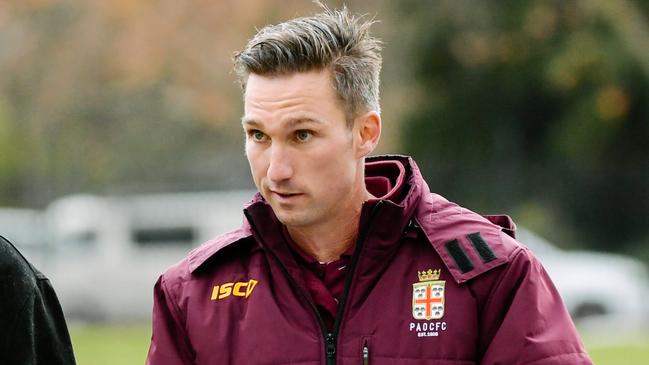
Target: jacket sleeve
(524,320)
(40,335)
(169,342)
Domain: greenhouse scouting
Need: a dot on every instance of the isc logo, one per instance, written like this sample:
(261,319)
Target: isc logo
(238,289)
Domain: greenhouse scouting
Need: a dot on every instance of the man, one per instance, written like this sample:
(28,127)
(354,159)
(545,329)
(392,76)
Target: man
(344,258)
(32,323)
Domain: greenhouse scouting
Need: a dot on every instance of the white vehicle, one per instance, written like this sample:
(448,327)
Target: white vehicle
(111,250)
(599,289)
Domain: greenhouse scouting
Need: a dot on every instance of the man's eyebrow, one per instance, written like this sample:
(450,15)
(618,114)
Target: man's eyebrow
(295,121)
(250,123)
(290,123)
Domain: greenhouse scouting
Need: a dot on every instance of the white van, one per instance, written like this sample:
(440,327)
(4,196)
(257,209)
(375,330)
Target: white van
(111,250)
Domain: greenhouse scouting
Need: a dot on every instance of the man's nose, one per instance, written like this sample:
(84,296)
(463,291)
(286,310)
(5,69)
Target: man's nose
(280,167)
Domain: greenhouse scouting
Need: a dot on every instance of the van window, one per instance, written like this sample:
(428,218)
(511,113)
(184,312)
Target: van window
(164,236)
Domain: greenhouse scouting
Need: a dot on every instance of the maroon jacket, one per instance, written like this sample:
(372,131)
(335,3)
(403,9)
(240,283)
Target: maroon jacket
(429,283)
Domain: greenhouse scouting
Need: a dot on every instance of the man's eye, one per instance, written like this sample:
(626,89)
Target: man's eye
(303,136)
(257,136)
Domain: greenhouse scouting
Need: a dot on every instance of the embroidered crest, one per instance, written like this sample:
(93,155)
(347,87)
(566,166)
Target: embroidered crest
(428,295)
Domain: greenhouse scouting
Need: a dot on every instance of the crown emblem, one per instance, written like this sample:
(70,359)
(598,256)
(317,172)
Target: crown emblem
(428,275)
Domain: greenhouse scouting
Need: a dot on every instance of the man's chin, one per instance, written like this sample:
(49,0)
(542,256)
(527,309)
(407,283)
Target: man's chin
(292,219)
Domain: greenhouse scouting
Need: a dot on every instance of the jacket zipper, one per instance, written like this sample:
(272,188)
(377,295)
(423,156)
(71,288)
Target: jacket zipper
(366,353)
(329,337)
(360,242)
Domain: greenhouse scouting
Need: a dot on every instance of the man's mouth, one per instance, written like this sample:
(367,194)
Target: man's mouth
(284,195)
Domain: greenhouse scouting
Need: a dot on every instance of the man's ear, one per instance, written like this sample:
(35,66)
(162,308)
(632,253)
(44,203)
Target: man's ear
(367,132)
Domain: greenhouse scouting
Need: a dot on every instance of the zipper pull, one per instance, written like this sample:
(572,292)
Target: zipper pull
(331,346)
(366,354)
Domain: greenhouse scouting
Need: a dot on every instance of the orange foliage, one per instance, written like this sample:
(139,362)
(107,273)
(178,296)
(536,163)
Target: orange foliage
(137,44)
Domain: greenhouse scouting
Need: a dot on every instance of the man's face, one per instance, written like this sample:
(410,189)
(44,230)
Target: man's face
(302,155)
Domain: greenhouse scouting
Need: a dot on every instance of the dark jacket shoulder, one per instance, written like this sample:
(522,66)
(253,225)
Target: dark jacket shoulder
(19,279)
(32,322)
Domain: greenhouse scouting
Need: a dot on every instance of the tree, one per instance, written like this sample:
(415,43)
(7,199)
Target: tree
(537,104)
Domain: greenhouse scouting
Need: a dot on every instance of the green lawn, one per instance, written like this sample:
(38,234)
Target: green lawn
(629,349)
(110,344)
(128,344)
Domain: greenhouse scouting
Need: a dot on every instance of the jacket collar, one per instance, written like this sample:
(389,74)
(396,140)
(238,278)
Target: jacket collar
(399,202)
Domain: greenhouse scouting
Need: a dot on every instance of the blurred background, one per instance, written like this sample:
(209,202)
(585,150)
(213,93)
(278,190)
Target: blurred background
(119,122)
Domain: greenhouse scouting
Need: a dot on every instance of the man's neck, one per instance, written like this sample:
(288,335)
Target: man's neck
(326,242)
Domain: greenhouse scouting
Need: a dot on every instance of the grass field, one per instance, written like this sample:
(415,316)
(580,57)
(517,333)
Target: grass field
(110,344)
(128,345)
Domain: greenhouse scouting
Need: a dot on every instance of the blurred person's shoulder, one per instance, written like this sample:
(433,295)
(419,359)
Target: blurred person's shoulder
(20,282)
(18,275)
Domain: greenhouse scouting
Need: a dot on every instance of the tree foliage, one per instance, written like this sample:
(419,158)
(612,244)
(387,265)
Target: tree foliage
(536,106)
